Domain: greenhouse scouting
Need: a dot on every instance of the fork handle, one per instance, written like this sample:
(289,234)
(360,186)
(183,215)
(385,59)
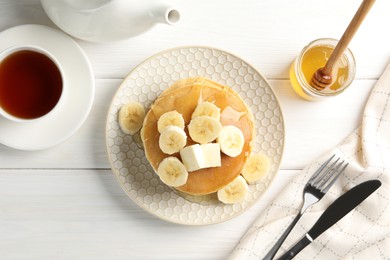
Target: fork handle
(270,255)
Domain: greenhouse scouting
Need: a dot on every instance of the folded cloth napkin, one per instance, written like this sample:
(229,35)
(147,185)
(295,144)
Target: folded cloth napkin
(362,234)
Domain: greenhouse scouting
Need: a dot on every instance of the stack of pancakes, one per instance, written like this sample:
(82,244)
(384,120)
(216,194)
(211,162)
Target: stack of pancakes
(183,96)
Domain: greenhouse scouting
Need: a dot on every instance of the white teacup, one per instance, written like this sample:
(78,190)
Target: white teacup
(31,83)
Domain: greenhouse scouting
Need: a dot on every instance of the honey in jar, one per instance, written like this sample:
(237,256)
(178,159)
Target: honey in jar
(313,57)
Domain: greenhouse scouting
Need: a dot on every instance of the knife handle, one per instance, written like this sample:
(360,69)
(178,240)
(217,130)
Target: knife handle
(270,255)
(292,252)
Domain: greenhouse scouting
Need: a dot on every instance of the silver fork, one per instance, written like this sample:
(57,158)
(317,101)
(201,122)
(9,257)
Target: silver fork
(314,190)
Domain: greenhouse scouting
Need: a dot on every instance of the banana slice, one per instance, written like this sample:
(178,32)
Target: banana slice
(172,172)
(231,139)
(234,192)
(204,129)
(171,118)
(255,168)
(207,109)
(172,140)
(131,117)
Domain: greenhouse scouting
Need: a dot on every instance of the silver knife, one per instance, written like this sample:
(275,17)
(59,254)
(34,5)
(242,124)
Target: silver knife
(336,211)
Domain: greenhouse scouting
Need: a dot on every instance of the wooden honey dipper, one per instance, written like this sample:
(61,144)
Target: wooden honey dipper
(323,76)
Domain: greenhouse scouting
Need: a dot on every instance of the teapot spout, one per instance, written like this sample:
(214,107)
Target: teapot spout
(167,15)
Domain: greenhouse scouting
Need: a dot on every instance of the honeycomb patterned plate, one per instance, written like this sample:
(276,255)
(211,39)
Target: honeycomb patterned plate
(144,84)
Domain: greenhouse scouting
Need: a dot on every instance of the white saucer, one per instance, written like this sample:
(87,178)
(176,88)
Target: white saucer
(80,86)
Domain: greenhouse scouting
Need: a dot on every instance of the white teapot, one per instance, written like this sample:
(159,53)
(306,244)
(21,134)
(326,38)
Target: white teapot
(108,20)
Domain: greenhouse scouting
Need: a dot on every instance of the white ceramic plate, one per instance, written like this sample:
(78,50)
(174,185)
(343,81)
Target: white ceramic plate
(144,84)
(80,87)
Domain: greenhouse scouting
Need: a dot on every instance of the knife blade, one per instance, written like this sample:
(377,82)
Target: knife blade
(336,211)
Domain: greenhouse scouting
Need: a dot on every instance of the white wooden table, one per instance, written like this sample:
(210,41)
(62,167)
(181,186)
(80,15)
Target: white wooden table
(64,202)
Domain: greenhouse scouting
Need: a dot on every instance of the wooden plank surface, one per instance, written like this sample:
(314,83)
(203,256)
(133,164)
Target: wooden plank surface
(84,214)
(64,202)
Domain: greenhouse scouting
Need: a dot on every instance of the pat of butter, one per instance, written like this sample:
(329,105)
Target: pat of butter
(192,157)
(211,154)
(196,157)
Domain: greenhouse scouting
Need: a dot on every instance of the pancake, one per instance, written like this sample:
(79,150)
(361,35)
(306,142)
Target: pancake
(183,96)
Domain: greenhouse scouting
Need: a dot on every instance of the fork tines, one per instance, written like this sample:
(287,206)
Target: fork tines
(326,175)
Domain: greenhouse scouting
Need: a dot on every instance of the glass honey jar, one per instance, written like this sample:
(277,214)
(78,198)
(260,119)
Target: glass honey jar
(313,57)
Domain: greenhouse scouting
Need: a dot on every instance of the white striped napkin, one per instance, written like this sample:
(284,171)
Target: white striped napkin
(362,234)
